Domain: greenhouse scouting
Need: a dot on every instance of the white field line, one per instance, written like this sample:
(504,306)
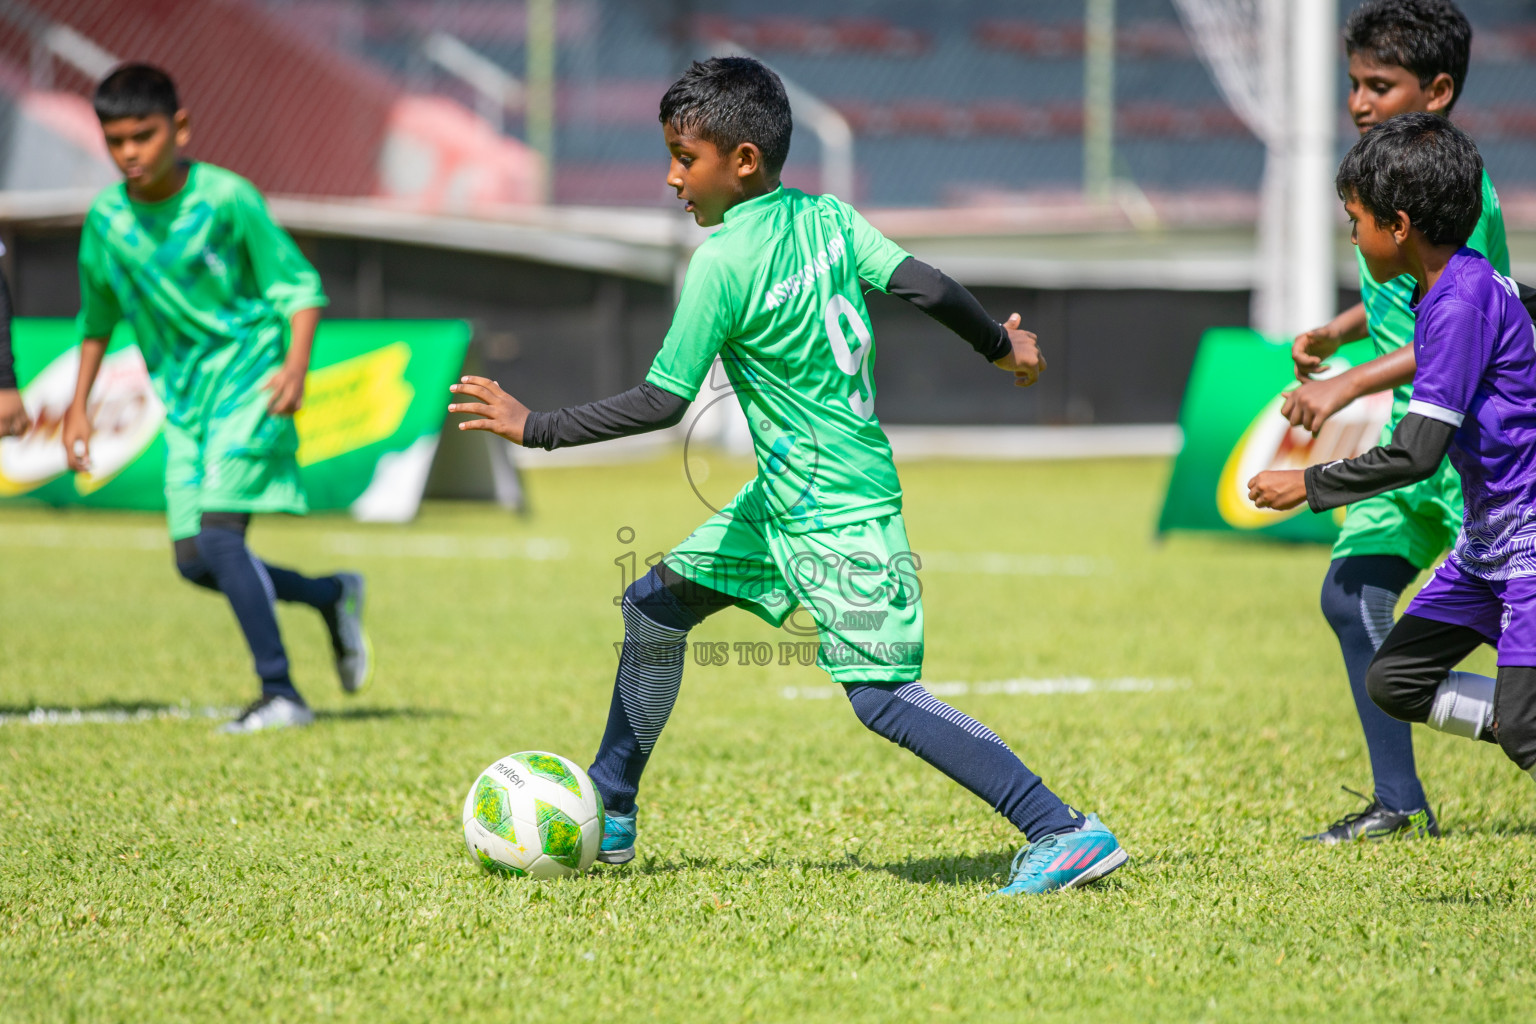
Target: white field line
(1011,687)
(445,546)
(1007,563)
(77,716)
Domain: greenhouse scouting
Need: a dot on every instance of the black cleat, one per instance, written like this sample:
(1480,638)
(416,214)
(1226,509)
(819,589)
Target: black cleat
(1377,822)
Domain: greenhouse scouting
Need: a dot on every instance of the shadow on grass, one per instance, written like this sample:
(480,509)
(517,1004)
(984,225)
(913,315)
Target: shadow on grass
(987,870)
(365,714)
(960,870)
(1478,899)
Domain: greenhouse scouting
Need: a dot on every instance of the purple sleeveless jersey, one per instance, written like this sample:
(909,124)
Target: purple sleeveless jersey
(1476,353)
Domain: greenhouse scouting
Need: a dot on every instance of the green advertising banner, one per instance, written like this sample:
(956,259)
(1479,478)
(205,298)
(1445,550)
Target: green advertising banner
(1233,429)
(374,404)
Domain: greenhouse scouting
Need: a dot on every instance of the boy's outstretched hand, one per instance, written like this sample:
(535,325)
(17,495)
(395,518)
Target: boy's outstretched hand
(499,412)
(1310,405)
(1025,361)
(1278,489)
(1311,348)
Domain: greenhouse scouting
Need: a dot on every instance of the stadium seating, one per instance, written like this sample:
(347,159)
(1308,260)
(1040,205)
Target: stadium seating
(947,102)
(281,106)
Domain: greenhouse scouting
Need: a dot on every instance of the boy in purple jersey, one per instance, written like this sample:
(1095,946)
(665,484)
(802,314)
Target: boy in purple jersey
(1404,56)
(1412,188)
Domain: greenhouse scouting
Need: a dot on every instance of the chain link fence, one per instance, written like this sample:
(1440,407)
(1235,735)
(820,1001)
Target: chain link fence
(465,105)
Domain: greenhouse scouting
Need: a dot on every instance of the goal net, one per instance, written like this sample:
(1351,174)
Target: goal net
(1249,48)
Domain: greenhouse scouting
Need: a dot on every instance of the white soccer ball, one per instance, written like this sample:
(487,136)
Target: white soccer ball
(535,814)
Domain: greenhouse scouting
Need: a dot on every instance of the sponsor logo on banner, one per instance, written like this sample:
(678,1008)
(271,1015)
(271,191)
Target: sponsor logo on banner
(368,428)
(125,419)
(1270,442)
(353,403)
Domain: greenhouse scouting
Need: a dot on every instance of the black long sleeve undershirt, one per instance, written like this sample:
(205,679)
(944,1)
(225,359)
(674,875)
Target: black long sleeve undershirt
(7,362)
(1418,445)
(639,410)
(646,407)
(951,304)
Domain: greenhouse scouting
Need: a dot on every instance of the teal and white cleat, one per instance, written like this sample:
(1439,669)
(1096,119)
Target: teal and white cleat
(618,839)
(1065,861)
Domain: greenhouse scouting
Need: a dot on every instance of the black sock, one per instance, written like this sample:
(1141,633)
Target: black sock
(319,592)
(1360,593)
(656,625)
(644,690)
(966,751)
(225,562)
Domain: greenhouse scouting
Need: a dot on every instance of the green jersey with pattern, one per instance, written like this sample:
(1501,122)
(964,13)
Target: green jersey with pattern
(206,279)
(775,294)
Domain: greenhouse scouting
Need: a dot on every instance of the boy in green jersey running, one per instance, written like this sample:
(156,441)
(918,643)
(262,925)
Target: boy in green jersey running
(1404,55)
(224,308)
(776,295)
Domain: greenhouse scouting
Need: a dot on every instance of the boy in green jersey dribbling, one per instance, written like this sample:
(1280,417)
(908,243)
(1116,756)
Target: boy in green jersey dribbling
(1404,56)
(224,308)
(776,295)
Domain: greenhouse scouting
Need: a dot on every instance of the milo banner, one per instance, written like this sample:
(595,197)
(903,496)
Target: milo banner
(374,404)
(1233,429)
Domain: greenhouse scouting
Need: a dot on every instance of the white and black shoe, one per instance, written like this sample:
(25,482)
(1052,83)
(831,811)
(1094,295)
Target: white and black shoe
(270,711)
(349,641)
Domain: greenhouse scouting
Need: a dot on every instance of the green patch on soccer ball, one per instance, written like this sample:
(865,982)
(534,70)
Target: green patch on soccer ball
(551,768)
(492,810)
(499,868)
(559,836)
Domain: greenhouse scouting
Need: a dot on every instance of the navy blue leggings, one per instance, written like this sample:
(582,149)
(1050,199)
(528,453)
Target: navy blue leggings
(1359,595)
(218,559)
(660,609)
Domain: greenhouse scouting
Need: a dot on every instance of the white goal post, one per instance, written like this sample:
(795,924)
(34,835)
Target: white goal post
(1275,62)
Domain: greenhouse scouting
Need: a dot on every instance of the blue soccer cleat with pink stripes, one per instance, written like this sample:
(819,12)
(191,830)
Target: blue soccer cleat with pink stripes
(1065,861)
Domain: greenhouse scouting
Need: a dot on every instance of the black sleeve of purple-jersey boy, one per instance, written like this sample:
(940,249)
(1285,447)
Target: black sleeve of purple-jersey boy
(951,304)
(639,410)
(1418,445)
(7,360)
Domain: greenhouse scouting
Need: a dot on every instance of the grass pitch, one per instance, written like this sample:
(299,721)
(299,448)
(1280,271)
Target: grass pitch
(792,866)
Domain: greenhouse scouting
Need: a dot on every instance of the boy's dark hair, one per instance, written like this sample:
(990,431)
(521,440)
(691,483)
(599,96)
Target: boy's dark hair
(1425,36)
(1420,164)
(730,100)
(136,90)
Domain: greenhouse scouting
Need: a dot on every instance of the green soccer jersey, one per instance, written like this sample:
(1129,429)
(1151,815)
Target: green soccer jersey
(1388,315)
(775,294)
(206,279)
